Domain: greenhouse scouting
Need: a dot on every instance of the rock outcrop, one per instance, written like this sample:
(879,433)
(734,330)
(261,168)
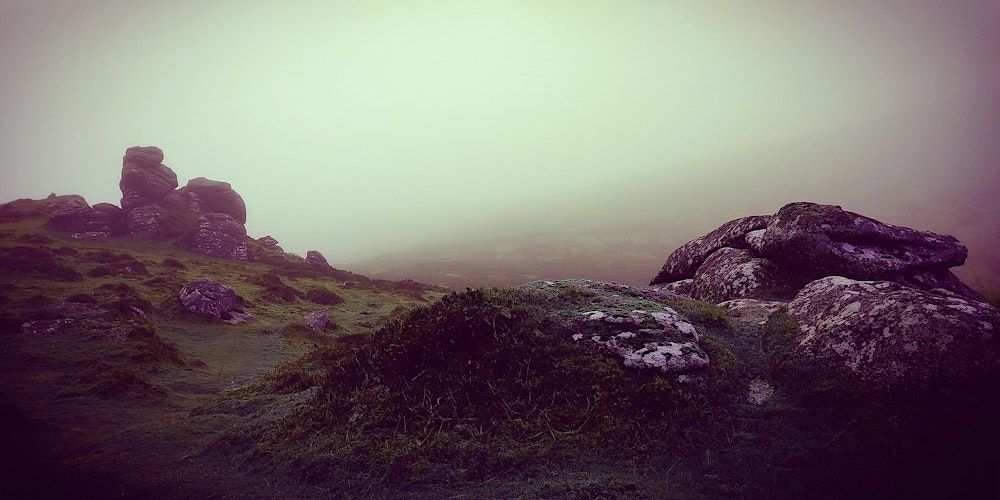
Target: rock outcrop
(207,214)
(685,261)
(72,214)
(814,241)
(317,259)
(888,333)
(220,235)
(772,257)
(212,298)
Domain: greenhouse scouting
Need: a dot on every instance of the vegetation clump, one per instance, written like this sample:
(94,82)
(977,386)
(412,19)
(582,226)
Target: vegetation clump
(37,261)
(323,296)
(481,380)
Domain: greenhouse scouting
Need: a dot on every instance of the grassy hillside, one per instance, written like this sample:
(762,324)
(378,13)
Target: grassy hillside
(109,388)
(100,365)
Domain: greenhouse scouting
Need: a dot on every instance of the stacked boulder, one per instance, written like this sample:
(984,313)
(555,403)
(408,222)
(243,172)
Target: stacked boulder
(775,256)
(210,213)
(877,299)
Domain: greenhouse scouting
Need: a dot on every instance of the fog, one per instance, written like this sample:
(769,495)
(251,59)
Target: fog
(369,128)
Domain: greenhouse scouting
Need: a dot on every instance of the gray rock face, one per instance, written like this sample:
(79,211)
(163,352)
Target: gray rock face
(629,322)
(774,256)
(317,259)
(683,262)
(210,196)
(315,321)
(72,214)
(681,287)
(814,241)
(220,235)
(730,273)
(153,222)
(889,333)
(208,297)
(145,180)
(270,242)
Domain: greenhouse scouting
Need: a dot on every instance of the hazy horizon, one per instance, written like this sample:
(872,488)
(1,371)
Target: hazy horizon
(368,128)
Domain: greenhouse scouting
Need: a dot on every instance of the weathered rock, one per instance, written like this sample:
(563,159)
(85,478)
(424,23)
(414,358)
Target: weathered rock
(315,321)
(626,321)
(208,297)
(115,216)
(156,222)
(754,310)
(145,180)
(208,196)
(683,262)
(814,241)
(270,242)
(317,259)
(72,214)
(682,287)
(731,273)
(889,333)
(220,235)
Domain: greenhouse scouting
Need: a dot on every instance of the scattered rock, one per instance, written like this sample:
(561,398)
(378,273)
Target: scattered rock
(315,321)
(731,273)
(317,259)
(220,235)
(627,321)
(208,297)
(683,262)
(889,333)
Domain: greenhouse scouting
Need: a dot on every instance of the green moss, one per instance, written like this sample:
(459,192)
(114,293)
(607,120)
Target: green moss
(704,314)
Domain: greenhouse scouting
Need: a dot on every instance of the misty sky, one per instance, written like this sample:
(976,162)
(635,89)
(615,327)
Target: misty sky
(366,127)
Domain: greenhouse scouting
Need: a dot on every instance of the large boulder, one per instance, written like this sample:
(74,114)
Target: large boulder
(631,323)
(317,259)
(813,241)
(683,262)
(208,196)
(208,297)
(145,180)
(889,333)
(731,273)
(220,235)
